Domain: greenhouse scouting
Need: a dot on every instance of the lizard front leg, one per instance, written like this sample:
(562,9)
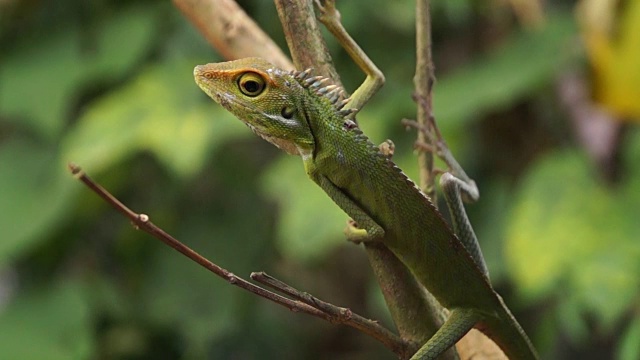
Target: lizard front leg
(453,189)
(367,229)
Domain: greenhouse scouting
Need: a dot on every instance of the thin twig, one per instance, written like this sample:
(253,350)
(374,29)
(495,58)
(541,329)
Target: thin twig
(431,132)
(301,302)
(423,82)
(338,315)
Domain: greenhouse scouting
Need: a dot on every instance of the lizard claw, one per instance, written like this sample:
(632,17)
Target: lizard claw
(353,233)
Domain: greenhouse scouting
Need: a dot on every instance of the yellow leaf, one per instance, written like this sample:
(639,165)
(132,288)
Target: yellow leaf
(611,34)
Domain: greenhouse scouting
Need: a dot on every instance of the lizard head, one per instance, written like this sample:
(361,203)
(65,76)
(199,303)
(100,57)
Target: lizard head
(267,99)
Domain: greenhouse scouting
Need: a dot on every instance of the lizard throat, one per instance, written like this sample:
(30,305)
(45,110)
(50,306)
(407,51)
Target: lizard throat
(283,144)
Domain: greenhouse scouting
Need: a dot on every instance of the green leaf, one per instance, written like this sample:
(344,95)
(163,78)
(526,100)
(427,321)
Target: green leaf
(160,111)
(39,82)
(51,323)
(570,234)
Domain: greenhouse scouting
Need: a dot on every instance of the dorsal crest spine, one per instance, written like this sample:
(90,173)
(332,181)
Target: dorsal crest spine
(335,94)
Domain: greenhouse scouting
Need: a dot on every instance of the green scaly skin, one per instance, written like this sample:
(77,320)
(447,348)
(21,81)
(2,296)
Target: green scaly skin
(298,113)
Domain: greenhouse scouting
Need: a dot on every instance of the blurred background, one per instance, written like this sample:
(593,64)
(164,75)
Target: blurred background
(539,102)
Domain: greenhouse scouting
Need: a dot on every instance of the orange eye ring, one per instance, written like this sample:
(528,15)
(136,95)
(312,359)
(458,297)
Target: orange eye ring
(251,84)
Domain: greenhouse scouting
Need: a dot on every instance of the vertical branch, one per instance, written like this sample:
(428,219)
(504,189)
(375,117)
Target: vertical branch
(415,312)
(302,32)
(423,82)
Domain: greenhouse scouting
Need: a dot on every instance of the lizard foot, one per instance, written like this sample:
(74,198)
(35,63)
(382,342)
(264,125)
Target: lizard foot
(353,233)
(387,148)
(327,11)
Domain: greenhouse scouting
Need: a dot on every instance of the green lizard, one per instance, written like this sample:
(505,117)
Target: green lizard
(295,111)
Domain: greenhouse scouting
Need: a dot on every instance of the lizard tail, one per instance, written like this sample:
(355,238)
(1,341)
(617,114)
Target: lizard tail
(507,333)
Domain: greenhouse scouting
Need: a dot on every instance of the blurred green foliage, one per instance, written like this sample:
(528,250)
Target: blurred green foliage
(109,85)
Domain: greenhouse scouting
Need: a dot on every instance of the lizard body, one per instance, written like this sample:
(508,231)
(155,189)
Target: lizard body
(298,113)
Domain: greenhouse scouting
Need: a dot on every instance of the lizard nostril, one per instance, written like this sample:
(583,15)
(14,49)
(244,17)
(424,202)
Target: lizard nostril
(201,71)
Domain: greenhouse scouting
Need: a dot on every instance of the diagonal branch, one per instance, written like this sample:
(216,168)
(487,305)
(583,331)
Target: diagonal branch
(231,31)
(299,302)
(339,315)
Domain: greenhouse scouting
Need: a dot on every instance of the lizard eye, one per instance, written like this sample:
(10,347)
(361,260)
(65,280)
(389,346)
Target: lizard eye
(251,84)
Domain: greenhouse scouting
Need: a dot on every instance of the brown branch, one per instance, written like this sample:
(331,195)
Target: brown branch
(423,82)
(305,42)
(340,315)
(301,302)
(231,31)
(410,305)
